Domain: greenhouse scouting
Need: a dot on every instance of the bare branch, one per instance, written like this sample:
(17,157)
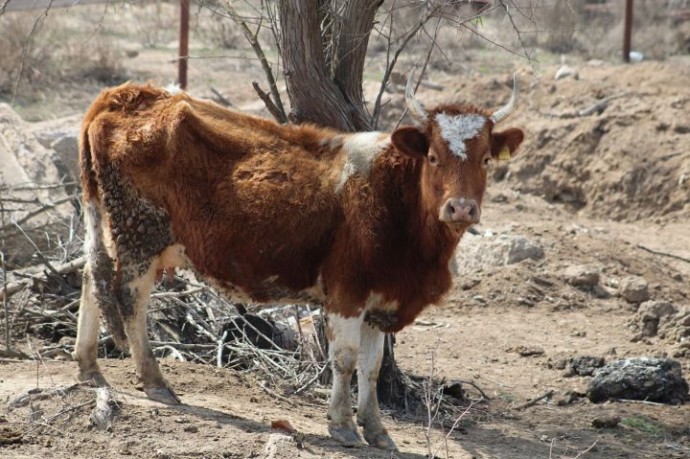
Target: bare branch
(25,50)
(391,64)
(220,98)
(598,107)
(3,5)
(36,212)
(534,401)
(664,254)
(278,111)
(519,34)
(10,288)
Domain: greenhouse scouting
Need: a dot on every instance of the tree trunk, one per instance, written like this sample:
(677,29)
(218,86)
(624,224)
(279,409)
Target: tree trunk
(314,96)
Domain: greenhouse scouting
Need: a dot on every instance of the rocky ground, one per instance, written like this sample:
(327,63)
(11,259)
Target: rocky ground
(582,259)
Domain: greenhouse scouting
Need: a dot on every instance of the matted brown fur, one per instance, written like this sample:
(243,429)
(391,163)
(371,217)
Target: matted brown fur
(252,200)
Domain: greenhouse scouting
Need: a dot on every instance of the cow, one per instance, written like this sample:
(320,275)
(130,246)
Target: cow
(364,224)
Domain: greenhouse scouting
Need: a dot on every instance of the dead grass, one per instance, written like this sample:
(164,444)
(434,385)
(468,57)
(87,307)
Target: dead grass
(51,55)
(586,28)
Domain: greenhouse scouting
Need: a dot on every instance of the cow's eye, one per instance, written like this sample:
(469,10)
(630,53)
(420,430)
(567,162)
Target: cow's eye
(433,160)
(487,161)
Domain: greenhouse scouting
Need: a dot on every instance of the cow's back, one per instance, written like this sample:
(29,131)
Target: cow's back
(253,203)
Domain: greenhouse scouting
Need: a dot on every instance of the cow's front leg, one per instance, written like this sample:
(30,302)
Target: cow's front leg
(344,335)
(369,365)
(134,298)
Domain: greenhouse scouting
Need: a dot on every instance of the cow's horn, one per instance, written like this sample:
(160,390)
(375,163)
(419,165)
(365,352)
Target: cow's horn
(413,105)
(504,111)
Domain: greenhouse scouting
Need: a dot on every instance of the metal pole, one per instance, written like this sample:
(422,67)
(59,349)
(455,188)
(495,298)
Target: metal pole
(184,44)
(627,32)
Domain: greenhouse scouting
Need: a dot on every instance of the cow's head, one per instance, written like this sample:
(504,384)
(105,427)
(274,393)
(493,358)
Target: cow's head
(458,144)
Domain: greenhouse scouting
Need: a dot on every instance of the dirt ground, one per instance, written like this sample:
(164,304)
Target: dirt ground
(226,414)
(604,190)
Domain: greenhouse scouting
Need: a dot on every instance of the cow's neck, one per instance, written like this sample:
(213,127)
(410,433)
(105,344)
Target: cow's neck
(435,242)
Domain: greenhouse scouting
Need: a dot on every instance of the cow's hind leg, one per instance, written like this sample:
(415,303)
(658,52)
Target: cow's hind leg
(134,293)
(86,348)
(369,364)
(343,348)
(141,233)
(96,298)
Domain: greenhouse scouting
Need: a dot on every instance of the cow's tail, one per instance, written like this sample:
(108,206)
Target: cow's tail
(100,266)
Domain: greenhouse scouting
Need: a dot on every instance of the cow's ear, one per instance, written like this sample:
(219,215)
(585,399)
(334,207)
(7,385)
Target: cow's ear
(410,141)
(504,144)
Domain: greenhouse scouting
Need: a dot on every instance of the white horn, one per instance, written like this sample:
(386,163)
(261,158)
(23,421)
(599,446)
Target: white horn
(504,111)
(413,105)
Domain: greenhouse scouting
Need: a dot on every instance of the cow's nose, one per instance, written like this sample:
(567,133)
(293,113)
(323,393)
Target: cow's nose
(460,210)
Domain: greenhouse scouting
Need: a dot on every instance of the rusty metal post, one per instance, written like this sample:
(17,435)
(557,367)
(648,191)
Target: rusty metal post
(184,44)
(627,32)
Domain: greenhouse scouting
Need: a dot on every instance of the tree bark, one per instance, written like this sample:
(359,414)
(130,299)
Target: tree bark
(314,96)
(351,39)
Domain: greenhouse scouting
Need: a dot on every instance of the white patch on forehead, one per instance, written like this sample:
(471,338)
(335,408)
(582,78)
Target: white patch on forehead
(455,129)
(360,151)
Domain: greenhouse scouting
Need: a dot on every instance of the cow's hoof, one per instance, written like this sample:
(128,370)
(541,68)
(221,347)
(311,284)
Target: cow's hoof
(346,436)
(381,440)
(93,378)
(162,395)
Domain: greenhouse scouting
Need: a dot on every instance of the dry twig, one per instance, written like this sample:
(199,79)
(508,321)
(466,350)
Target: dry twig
(220,98)
(598,107)
(534,401)
(664,254)
(272,108)
(11,288)
(252,38)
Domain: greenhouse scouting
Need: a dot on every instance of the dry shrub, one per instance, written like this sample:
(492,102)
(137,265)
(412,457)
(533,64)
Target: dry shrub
(154,24)
(39,53)
(52,55)
(591,28)
(101,61)
(219,31)
(594,28)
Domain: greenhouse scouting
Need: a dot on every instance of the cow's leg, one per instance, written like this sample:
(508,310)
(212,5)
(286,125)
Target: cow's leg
(344,335)
(369,364)
(134,295)
(86,348)
(96,283)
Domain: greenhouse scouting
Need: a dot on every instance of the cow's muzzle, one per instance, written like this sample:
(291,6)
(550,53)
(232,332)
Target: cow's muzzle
(460,210)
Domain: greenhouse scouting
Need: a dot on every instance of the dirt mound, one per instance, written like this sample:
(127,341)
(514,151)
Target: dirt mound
(626,159)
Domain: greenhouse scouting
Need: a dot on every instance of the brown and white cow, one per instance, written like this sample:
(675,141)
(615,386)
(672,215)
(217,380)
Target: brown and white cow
(364,224)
